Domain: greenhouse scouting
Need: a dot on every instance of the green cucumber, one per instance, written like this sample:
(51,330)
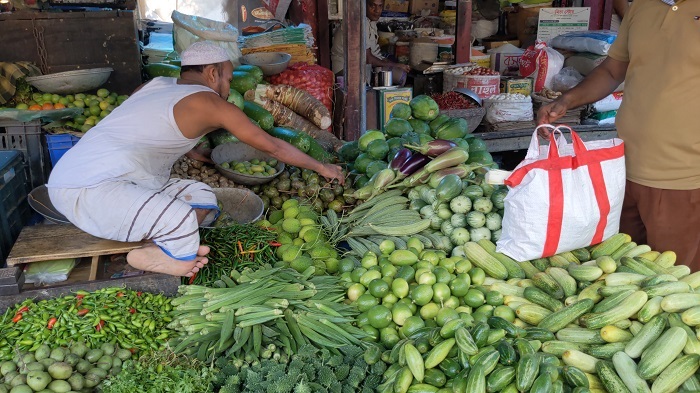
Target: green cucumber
(259,114)
(298,139)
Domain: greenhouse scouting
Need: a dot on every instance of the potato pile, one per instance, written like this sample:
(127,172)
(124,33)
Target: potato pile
(187,168)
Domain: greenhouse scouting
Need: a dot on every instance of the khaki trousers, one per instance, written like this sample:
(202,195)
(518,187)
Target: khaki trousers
(666,220)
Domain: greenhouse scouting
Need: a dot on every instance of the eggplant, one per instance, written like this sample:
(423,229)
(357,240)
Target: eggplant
(416,162)
(461,171)
(450,158)
(400,158)
(433,148)
(382,179)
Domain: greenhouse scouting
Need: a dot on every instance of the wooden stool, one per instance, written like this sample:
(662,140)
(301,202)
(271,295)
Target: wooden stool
(50,242)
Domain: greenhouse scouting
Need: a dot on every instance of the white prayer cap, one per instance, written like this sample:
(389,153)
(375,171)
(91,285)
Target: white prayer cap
(203,53)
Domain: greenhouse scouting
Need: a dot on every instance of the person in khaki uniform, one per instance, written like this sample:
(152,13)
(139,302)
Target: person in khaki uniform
(658,56)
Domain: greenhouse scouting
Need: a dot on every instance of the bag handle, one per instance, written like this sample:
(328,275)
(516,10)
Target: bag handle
(579,146)
(533,151)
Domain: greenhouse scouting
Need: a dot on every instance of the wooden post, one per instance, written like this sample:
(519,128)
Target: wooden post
(464,28)
(324,34)
(353,26)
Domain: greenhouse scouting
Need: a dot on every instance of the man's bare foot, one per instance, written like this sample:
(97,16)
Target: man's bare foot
(151,258)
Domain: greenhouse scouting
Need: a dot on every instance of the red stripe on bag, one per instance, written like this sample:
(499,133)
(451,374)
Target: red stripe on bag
(556,212)
(565,162)
(601,195)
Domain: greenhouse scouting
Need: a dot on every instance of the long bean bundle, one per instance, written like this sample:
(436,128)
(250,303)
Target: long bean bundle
(233,248)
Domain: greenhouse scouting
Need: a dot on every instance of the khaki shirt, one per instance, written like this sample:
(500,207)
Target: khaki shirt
(659,119)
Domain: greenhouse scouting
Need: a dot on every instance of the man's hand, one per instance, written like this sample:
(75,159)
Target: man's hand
(198,155)
(404,67)
(550,113)
(331,172)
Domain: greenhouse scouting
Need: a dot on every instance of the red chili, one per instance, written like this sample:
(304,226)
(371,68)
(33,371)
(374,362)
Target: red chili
(275,244)
(79,302)
(139,293)
(79,297)
(17,318)
(83,312)
(192,279)
(120,294)
(52,322)
(23,310)
(133,350)
(132,310)
(100,325)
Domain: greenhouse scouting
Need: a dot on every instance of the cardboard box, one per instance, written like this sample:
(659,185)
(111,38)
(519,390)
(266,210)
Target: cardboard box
(495,44)
(517,85)
(388,98)
(418,6)
(396,5)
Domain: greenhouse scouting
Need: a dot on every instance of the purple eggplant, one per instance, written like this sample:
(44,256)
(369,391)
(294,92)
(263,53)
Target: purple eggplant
(416,162)
(400,158)
(433,148)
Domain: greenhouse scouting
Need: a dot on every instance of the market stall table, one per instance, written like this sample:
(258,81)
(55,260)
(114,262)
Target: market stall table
(519,139)
(51,242)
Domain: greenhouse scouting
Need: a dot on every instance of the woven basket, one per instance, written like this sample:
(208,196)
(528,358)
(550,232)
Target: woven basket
(472,115)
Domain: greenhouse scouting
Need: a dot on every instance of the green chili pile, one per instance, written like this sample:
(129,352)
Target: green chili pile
(135,320)
(234,247)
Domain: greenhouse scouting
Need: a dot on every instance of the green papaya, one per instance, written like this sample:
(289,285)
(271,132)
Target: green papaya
(349,151)
(411,138)
(424,108)
(253,70)
(162,69)
(437,122)
(476,144)
(480,157)
(452,129)
(397,127)
(362,161)
(419,126)
(368,137)
(243,81)
(401,111)
(378,149)
(395,143)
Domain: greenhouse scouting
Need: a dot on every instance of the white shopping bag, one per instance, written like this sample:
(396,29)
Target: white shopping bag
(188,29)
(563,196)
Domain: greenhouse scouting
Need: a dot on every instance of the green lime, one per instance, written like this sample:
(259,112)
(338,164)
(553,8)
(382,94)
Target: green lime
(389,300)
(431,256)
(504,312)
(389,337)
(366,302)
(422,294)
(474,298)
(389,270)
(406,272)
(346,265)
(429,311)
(399,287)
(494,298)
(442,275)
(400,312)
(411,325)
(478,276)
(445,315)
(441,292)
(355,291)
(378,288)
(357,273)
(463,266)
(369,260)
(459,286)
(370,276)
(387,247)
(362,319)
(449,264)
(379,316)
(452,302)
(427,278)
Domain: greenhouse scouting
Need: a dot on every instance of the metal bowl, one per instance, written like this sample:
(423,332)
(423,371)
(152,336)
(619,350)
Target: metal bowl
(240,203)
(242,152)
(71,82)
(470,94)
(39,200)
(271,63)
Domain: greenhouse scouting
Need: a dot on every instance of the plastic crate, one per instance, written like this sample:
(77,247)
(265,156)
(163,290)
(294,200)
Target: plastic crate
(59,144)
(14,208)
(28,139)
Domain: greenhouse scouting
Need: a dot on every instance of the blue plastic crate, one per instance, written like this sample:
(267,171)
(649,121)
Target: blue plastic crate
(59,145)
(14,208)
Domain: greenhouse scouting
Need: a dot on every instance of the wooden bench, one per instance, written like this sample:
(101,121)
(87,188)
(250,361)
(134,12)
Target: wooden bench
(40,243)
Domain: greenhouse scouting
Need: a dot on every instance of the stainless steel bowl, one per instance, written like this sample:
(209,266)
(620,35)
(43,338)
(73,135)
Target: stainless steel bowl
(70,82)
(242,152)
(470,94)
(271,63)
